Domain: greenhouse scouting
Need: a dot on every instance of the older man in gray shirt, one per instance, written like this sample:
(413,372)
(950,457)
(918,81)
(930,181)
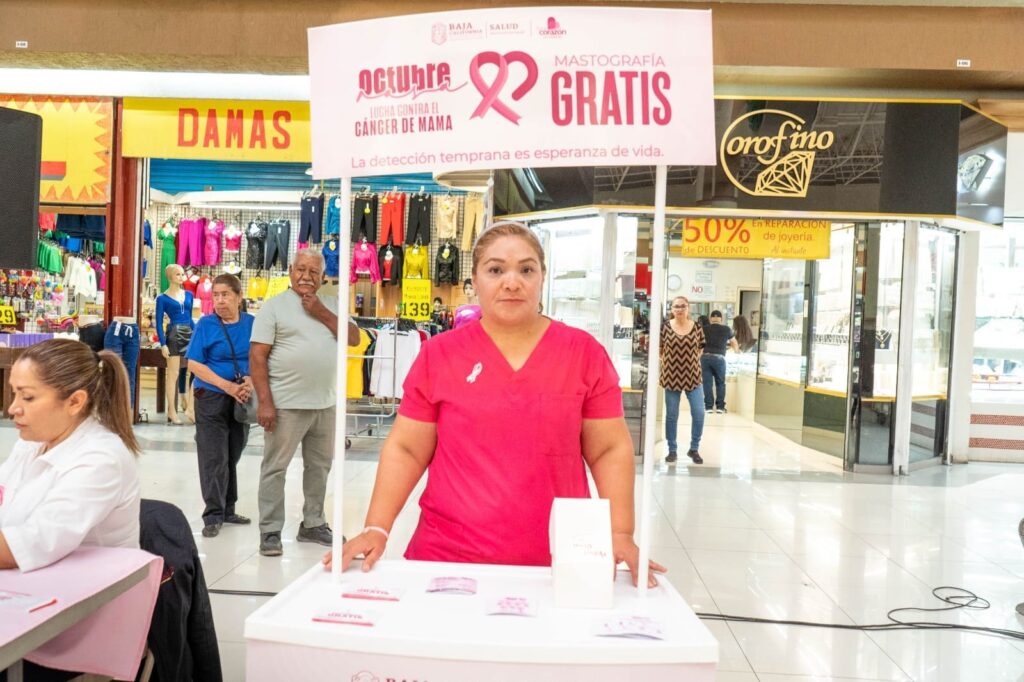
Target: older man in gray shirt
(293,363)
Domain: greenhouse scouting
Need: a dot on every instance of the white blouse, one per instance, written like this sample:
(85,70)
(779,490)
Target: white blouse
(85,491)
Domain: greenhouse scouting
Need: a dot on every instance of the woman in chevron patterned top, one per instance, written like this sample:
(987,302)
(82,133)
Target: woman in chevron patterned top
(682,341)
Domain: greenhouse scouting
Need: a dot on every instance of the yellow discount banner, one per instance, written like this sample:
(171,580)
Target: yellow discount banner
(416,304)
(276,286)
(218,130)
(7,316)
(755,238)
(77,133)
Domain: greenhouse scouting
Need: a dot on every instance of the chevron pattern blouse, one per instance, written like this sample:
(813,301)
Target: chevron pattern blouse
(680,358)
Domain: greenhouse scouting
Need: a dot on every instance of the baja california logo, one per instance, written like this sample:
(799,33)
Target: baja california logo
(438,33)
(787,156)
(491,91)
(365,676)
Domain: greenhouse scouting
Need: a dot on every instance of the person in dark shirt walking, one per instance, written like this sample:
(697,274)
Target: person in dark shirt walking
(717,337)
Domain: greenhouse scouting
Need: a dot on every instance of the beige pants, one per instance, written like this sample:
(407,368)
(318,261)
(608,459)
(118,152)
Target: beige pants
(472,220)
(447,209)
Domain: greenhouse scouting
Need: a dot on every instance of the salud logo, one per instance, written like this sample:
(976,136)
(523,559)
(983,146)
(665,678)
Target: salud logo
(785,159)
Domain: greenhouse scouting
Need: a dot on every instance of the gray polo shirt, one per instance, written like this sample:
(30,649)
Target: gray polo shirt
(303,358)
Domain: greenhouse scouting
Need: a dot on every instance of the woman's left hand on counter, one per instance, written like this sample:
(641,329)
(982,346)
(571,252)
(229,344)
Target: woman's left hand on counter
(368,544)
(625,549)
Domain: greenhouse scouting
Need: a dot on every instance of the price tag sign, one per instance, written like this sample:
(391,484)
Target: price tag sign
(416,303)
(749,238)
(7,316)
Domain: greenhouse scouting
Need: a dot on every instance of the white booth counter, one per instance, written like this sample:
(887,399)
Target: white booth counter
(455,635)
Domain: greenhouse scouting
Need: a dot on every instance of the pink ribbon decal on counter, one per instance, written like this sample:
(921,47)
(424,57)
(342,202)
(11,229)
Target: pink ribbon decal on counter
(490,92)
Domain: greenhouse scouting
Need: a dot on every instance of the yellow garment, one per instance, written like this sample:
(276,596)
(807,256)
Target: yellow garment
(416,263)
(257,288)
(354,371)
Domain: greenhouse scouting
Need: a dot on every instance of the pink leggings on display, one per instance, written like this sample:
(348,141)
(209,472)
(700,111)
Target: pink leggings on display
(190,241)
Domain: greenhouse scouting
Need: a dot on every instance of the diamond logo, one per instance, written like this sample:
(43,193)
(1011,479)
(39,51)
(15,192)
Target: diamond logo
(788,177)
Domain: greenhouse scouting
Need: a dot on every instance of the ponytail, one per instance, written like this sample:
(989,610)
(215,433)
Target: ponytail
(68,366)
(111,404)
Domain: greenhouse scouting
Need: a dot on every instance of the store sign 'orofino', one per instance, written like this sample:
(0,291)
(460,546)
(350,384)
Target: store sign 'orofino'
(787,156)
(512,88)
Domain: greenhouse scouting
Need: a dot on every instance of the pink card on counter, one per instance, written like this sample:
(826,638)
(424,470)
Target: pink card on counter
(452,585)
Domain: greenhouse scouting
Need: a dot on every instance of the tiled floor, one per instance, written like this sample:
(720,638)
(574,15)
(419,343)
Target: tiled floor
(764,528)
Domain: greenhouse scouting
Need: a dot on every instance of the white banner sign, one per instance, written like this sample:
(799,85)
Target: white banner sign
(512,88)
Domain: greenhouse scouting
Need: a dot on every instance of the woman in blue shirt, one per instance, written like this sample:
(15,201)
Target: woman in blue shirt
(220,439)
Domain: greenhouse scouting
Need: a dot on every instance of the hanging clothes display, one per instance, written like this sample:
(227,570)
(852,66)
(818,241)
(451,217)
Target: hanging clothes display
(147,247)
(416,263)
(255,242)
(364,263)
(204,292)
(446,269)
(232,239)
(191,280)
(393,356)
(310,218)
(333,225)
(354,367)
(332,257)
(257,288)
(190,240)
(472,220)
(390,264)
(80,278)
(364,218)
(418,228)
(278,233)
(392,221)
(211,241)
(447,217)
(167,234)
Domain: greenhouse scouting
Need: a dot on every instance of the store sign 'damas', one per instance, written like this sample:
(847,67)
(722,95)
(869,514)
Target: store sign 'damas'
(787,156)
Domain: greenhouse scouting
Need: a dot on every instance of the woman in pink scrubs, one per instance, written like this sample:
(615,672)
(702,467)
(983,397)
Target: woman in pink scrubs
(506,412)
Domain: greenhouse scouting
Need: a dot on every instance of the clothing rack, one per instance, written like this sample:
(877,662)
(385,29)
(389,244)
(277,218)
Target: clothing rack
(367,415)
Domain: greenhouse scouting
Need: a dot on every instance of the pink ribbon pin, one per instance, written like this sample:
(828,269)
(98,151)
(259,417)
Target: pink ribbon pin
(490,92)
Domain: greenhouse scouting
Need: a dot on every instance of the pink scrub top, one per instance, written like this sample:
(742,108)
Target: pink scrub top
(508,442)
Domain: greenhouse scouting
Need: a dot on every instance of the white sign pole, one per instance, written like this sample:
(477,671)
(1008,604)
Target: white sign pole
(340,381)
(653,372)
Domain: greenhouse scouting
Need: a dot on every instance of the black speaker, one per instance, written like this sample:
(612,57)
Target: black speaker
(21,149)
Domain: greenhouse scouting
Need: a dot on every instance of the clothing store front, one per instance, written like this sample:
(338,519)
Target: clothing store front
(227,191)
(834,228)
(64,292)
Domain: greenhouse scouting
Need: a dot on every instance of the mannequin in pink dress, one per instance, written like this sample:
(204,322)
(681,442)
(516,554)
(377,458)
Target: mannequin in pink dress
(211,244)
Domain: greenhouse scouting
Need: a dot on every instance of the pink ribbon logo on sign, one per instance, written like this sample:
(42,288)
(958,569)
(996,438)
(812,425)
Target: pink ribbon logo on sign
(490,92)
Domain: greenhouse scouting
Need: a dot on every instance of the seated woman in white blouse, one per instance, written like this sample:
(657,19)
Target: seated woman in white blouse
(71,479)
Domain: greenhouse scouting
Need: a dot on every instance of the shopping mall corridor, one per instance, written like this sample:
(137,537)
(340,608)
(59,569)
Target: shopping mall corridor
(764,528)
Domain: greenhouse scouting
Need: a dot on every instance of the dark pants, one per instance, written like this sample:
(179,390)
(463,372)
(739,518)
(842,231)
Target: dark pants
(310,219)
(418,227)
(278,234)
(123,339)
(713,368)
(219,443)
(364,218)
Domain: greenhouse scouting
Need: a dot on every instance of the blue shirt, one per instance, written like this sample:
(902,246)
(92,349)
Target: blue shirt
(210,347)
(179,312)
(331,255)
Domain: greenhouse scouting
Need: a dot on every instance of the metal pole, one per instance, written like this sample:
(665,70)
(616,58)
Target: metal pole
(653,371)
(340,414)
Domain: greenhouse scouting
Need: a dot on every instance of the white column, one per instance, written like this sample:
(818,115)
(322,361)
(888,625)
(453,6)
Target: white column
(337,517)
(905,352)
(653,370)
(961,362)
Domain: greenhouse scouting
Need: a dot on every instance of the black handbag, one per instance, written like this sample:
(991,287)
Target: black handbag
(245,413)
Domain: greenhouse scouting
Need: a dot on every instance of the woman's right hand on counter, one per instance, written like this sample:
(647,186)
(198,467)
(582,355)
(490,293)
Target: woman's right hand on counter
(369,544)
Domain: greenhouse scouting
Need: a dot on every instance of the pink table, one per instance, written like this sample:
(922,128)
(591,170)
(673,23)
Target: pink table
(105,600)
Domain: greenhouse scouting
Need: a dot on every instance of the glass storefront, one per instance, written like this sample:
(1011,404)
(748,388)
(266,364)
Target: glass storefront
(998,367)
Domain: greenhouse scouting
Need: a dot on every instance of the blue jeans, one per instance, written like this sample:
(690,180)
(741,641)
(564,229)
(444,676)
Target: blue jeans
(713,369)
(696,400)
(123,339)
